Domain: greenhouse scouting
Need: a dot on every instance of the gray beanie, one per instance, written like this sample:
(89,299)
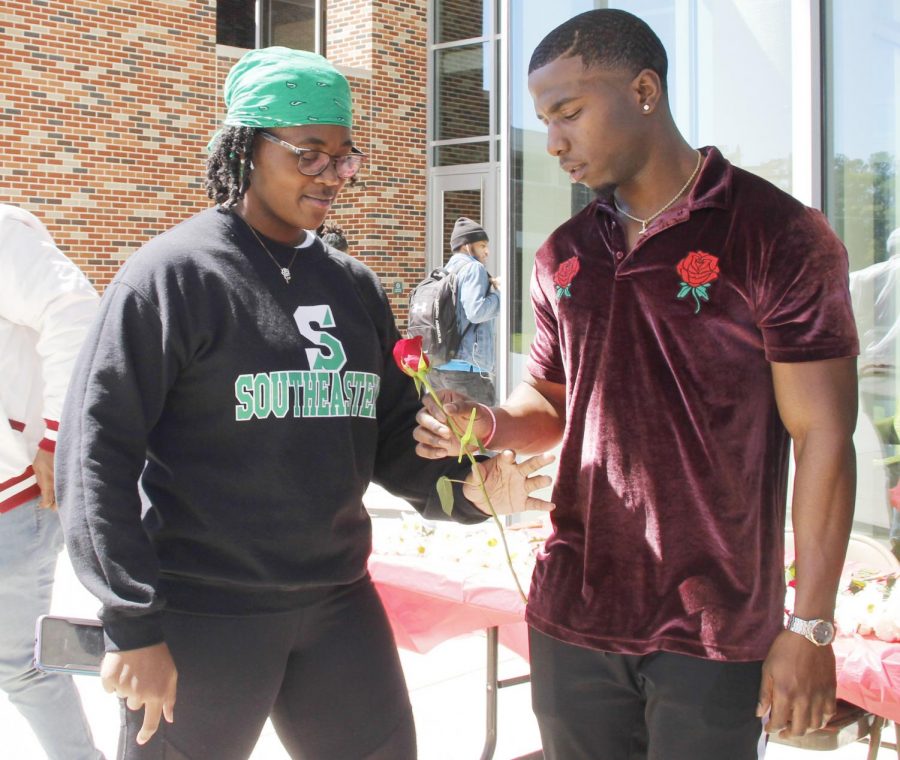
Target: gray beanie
(466,231)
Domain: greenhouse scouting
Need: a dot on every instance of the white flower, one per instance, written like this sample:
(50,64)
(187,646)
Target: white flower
(859,612)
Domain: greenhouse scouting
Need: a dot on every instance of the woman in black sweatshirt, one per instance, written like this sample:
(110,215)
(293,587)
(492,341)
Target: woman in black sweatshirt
(232,404)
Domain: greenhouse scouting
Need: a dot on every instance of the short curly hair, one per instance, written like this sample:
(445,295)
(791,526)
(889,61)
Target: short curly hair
(334,236)
(605,38)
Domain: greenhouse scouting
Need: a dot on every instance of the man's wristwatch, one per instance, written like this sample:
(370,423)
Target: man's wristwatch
(820,632)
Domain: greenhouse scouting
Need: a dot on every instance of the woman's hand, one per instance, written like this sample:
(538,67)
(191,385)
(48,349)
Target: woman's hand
(146,678)
(434,438)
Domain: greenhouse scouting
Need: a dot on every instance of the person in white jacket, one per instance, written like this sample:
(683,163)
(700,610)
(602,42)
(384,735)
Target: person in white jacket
(46,306)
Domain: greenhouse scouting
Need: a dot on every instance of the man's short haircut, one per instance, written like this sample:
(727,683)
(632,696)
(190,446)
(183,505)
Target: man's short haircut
(334,236)
(606,39)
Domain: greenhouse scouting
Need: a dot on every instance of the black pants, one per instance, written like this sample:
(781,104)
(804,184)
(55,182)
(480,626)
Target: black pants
(328,674)
(593,705)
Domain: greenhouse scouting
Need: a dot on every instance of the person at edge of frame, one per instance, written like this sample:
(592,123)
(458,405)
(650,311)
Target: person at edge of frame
(46,307)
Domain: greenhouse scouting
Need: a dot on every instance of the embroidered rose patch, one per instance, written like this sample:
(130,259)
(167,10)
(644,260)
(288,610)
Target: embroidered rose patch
(697,271)
(564,276)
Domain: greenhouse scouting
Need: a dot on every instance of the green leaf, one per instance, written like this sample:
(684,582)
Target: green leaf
(702,293)
(685,289)
(445,493)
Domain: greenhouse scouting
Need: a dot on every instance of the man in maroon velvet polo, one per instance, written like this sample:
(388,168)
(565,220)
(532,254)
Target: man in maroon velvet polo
(691,323)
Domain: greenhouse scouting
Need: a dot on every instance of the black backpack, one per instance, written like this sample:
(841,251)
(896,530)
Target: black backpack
(432,314)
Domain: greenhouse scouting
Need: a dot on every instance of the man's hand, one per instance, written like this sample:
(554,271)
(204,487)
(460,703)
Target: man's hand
(145,678)
(43,473)
(798,685)
(435,439)
(509,484)
(495,282)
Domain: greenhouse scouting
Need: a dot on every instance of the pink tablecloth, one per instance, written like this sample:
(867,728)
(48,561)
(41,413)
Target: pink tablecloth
(429,602)
(868,674)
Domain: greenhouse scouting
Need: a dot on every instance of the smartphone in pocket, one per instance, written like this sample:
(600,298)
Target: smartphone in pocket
(68,645)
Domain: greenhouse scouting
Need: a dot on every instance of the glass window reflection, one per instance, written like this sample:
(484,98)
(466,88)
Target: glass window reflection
(862,72)
(463,97)
(293,24)
(461,20)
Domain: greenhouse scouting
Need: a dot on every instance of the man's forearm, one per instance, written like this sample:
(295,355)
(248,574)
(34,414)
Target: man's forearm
(532,419)
(822,513)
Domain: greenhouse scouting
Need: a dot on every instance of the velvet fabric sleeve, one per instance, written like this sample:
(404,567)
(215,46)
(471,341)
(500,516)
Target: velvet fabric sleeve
(545,360)
(801,294)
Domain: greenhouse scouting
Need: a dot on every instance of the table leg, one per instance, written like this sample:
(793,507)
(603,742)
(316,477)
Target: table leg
(493,684)
(875,737)
(490,731)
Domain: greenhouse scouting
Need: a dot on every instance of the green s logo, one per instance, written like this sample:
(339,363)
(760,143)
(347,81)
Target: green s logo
(330,352)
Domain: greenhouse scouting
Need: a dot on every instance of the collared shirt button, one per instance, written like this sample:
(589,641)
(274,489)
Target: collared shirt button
(619,255)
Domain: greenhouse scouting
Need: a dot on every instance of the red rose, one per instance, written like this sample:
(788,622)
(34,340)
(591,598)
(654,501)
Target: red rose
(698,268)
(566,272)
(407,353)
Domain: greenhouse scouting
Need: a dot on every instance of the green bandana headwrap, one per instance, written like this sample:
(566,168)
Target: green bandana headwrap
(280,87)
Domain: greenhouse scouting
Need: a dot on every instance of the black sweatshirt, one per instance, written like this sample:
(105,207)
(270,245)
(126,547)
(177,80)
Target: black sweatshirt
(222,426)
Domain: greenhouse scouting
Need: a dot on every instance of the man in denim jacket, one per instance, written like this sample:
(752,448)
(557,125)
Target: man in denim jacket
(478,303)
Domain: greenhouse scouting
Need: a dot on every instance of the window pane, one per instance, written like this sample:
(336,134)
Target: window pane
(862,78)
(467,153)
(862,98)
(236,23)
(751,122)
(293,24)
(461,20)
(463,94)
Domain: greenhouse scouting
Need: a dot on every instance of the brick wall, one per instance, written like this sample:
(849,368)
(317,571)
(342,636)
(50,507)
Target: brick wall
(384,217)
(105,110)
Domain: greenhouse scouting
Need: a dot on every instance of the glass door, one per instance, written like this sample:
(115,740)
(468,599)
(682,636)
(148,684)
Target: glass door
(470,193)
(459,194)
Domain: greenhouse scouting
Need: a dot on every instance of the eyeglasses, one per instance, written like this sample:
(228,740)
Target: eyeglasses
(313,162)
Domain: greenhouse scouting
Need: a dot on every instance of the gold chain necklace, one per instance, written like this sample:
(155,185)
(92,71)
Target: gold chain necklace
(684,187)
(285,271)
